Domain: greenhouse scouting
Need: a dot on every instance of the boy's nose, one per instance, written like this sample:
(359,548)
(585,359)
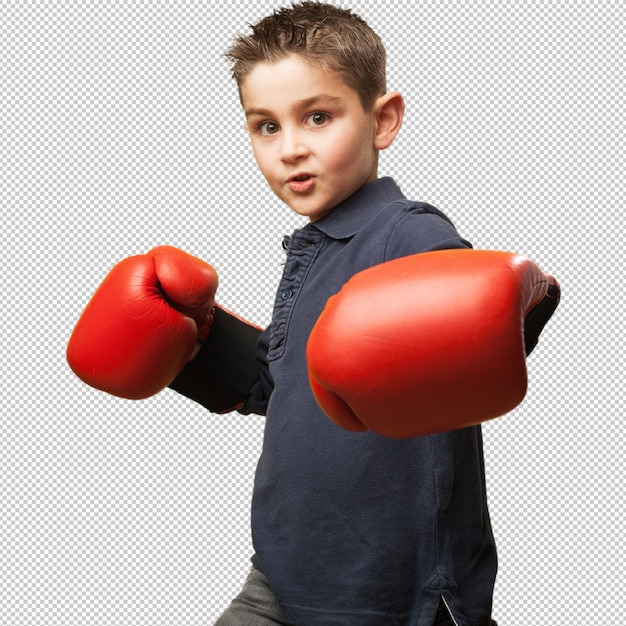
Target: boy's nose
(293,146)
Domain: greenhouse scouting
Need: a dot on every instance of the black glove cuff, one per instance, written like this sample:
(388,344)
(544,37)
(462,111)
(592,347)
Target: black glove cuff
(226,367)
(539,316)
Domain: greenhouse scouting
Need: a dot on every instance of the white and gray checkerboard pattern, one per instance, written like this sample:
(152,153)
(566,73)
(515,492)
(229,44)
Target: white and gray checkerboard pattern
(120,130)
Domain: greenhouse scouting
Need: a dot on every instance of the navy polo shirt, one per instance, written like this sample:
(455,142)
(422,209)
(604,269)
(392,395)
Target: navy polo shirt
(355,529)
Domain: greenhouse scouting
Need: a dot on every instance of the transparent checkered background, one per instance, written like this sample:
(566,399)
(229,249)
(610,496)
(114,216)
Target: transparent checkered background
(120,130)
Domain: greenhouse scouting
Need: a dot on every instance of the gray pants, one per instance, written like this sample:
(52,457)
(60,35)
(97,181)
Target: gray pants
(256,605)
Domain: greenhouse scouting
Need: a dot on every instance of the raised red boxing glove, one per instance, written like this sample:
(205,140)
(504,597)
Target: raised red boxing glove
(143,323)
(427,343)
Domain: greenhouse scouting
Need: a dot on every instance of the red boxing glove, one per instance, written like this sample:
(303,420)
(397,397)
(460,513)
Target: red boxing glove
(143,323)
(428,343)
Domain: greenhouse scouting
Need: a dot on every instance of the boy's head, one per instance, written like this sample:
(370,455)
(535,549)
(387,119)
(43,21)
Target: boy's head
(311,81)
(326,36)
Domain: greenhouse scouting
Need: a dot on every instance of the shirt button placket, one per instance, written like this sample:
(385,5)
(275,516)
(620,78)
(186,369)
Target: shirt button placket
(301,249)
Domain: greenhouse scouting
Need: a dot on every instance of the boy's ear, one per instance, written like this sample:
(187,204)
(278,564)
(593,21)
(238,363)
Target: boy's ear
(389,112)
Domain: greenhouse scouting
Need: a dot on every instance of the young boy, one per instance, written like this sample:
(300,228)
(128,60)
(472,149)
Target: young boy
(348,529)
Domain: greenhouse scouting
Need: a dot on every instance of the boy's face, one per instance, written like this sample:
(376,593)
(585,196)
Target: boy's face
(311,138)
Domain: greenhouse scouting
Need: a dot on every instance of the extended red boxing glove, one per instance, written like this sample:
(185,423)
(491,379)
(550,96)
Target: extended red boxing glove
(143,323)
(428,343)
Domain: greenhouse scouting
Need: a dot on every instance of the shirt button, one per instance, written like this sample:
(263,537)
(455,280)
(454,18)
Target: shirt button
(285,295)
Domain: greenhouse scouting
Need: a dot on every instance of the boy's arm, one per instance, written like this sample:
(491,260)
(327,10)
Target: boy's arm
(224,372)
(422,228)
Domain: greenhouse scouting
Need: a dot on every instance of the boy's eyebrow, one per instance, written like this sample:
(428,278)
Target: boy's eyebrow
(305,103)
(317,100)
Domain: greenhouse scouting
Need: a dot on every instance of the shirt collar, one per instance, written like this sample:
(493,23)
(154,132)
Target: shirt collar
(348,217)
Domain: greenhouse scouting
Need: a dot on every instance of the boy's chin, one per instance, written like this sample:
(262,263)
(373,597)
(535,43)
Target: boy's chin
(311,209)
(313,214)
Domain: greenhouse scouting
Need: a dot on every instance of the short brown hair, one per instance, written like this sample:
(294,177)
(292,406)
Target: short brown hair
(336,39)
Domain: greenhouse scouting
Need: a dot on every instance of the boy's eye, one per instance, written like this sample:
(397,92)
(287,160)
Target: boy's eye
(317,119)
(269,128)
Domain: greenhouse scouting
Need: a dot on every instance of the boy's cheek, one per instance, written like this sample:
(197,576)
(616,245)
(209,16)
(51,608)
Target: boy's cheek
(259,156)
(266,160)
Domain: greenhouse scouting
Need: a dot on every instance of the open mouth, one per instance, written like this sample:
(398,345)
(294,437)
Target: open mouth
(301,183)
